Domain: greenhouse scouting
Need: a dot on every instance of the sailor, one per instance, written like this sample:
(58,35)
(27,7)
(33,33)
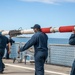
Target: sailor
(39,40)
(3,41)
(7,47)
(72,42)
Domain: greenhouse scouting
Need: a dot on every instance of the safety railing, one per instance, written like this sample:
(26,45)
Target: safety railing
(61,54)
(57,54)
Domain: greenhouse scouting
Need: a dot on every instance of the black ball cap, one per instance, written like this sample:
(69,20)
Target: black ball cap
(36,26)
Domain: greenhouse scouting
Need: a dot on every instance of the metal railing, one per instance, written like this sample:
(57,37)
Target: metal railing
(57,54)
(61,54)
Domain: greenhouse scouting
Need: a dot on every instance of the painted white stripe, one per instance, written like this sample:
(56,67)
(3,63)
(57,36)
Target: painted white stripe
(28,31)
(5,32)
(28,68)
(54,29)
(74,27)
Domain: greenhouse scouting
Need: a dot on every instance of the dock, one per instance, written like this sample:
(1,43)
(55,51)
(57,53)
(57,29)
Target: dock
(29,69)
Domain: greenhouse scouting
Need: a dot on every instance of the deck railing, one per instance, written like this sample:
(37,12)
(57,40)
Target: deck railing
(57,54)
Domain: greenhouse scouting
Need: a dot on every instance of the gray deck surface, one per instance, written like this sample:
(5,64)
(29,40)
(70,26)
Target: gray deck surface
(28,69)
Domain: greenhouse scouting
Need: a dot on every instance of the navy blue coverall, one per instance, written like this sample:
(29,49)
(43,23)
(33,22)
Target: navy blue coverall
(72,42)
(39,40)
(3,41)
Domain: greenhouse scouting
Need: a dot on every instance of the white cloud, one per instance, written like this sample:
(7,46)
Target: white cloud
(49,1)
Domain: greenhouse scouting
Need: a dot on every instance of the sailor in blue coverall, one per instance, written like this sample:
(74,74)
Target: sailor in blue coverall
(72,42)
(39,40)
(7,47)
(3,41)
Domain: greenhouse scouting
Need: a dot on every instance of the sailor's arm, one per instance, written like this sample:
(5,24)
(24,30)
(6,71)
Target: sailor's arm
(31,42)
(9,45)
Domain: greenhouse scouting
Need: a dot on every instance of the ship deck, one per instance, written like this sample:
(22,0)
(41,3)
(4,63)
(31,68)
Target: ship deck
(29,69)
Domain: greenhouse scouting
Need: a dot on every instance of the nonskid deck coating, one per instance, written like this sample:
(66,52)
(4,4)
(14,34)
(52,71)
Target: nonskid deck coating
(29,69)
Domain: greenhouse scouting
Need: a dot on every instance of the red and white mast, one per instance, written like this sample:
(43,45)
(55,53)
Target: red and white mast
(60,29)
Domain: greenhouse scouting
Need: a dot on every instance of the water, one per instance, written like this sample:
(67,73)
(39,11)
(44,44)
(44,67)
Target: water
(58,41)
(50,40)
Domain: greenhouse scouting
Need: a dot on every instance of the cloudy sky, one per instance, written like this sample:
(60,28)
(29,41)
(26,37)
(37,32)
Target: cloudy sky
(47,13)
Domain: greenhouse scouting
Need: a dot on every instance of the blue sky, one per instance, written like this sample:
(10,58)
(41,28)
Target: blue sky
(26,13)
